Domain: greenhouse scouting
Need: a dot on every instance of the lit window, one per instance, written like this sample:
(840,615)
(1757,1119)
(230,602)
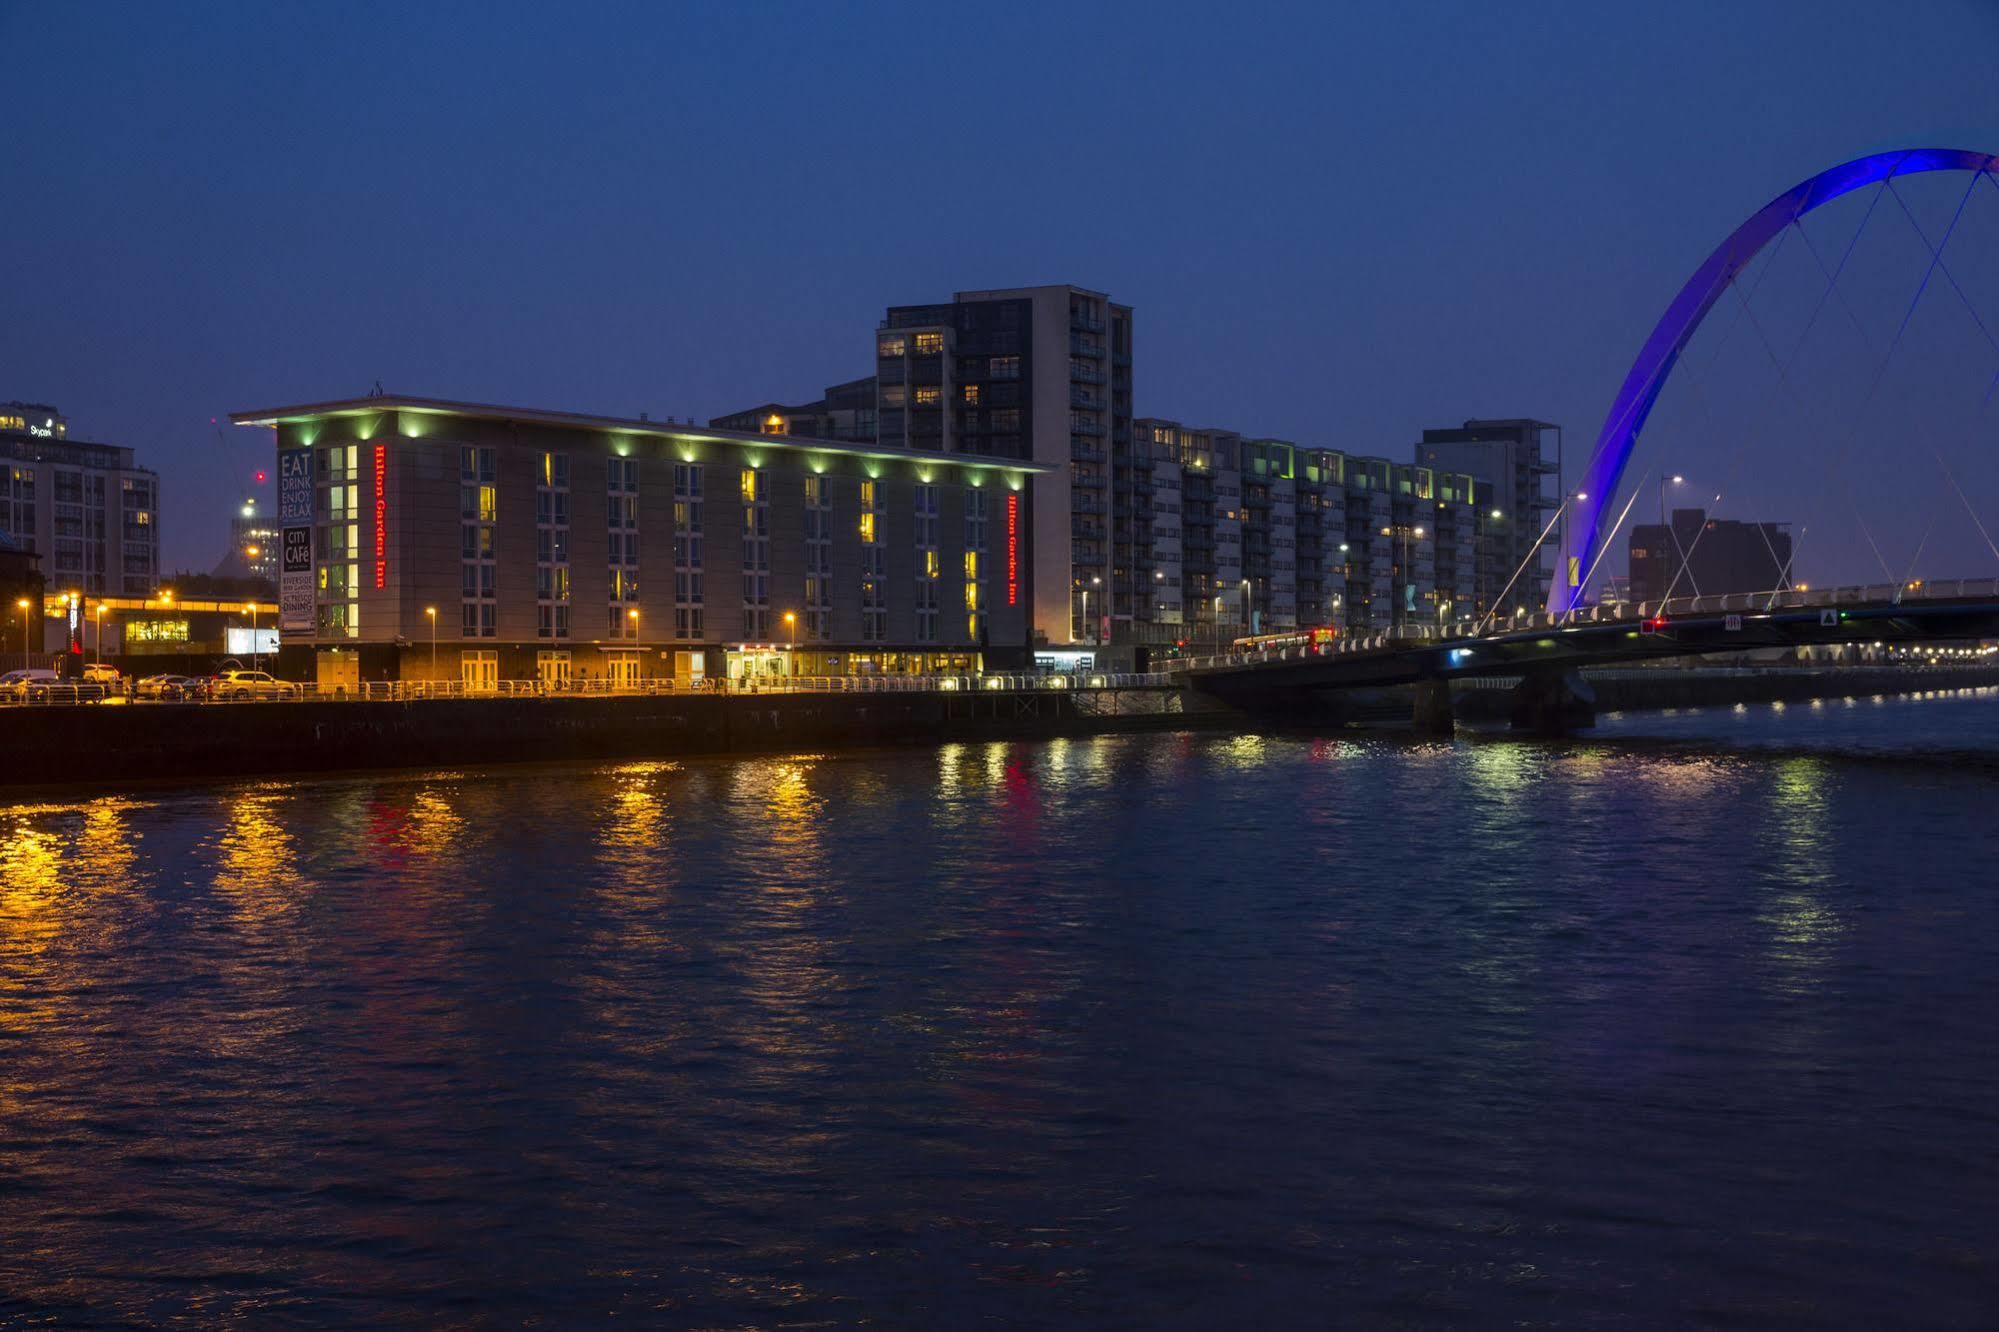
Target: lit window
(928,395)
(971,395)
(929,344)
(889,347)
(867,527)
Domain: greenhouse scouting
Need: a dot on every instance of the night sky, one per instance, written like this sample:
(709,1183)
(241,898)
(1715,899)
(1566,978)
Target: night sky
(1337,224)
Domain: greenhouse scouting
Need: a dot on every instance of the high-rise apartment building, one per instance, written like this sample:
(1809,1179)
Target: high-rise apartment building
(1512,458)
(1042,374)
(1264,536)
(89,510)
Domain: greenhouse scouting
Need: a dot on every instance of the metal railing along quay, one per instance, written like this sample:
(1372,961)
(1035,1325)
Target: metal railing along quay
(408,691)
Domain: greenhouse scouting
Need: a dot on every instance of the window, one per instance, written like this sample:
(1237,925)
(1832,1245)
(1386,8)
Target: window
(971,395)
(927,564)
(929,344)
(756,555)
(687,589)
(1003,367)
(890,347)
(818,561)
(929,395)
(551,577)
(621,549)
(874,607)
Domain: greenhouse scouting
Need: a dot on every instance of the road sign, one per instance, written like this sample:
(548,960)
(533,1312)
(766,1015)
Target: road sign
(1732,623)
(1829,619)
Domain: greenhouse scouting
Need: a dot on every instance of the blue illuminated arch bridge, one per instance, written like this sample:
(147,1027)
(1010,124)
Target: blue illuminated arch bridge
(1584,530)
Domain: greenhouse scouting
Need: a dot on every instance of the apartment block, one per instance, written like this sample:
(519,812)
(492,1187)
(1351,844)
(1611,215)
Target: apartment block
(89,510)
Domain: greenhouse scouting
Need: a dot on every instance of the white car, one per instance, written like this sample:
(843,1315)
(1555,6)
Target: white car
(250,684)
(39,685)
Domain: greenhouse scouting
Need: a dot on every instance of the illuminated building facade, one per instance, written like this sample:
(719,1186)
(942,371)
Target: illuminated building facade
(538,545)
(1035,374)
(1235,536)
(88,510)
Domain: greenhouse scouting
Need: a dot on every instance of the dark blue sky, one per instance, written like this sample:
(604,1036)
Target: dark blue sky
(1338,224)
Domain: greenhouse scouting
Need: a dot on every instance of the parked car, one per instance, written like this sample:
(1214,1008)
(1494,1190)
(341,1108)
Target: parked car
(104,673)
(237,685)
(15,684)
(170,688)
(39,685)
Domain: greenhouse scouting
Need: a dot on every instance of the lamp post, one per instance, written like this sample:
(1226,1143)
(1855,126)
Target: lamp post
(252,608)
(1096,635)
(25,605)
(791,634)
(430,613)
(100,632)
(632,616)
(1666,580)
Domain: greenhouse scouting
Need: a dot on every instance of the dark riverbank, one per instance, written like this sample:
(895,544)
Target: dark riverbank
(100,744)
(121,745)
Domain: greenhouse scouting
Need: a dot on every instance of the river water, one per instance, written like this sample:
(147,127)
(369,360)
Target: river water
(1690,1023)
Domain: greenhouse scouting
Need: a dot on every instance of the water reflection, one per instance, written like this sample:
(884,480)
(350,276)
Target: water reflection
(1179,1030)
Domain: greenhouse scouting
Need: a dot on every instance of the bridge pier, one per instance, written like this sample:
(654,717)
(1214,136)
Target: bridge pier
(1430,712)
(1553,703)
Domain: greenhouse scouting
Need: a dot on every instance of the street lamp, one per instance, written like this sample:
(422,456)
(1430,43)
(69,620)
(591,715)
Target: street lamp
(632,616)
(251,607)
(1246,625)
(25,605)
(791,633)
(100,632)
(430,613)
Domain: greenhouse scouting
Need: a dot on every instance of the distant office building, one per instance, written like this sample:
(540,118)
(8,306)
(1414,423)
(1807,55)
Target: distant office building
(846,412)
(1264,536)
(1512,460)
(253,545)
(528,544)
(88,510)
(1693,555)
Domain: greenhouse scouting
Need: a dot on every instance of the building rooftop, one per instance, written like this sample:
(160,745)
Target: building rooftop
(480,411)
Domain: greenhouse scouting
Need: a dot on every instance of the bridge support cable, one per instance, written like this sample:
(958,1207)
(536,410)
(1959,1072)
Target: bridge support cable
(1867,343)
(1608,541)
(1784,573)
(1908,579)
(1532,555)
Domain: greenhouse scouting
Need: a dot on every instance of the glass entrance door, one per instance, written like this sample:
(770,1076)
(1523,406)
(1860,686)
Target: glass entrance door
(480,672)
(624,670)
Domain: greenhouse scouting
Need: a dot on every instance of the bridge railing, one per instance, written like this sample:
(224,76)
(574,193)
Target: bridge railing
(1735,603)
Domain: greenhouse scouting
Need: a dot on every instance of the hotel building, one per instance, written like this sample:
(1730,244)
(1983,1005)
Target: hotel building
(508,543)
(88,510)
(1035,374)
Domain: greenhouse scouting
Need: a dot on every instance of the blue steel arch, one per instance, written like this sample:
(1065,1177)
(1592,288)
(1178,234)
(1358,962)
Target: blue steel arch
(1674,330)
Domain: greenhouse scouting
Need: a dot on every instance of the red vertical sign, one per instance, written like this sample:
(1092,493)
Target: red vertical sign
(1013,548)
(381,516)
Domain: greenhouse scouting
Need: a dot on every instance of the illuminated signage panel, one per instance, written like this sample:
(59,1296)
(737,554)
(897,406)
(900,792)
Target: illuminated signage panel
(381,516)
(1013,548)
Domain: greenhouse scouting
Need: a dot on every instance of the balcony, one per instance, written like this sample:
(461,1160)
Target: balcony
(1085,454)
(1083,374)
(1088,480)
(1090,428)
(1084,324)
(1089,402)
(1084,530)
(1084,347)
